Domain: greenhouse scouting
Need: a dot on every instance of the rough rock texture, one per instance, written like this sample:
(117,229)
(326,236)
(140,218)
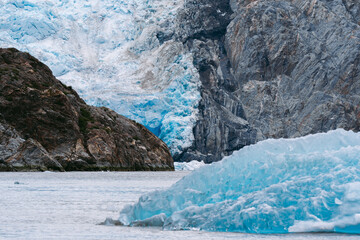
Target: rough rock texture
(281,69)
(297,65)
(46,125)
(221,127)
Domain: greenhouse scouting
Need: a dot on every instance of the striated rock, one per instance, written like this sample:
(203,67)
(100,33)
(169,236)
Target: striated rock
(32,156)
(17,153)
(10,142)
(46,125)
(222,126)
(297,66)
(280,69)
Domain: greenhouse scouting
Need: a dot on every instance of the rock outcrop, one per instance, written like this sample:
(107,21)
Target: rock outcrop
(45,125)
(275,68)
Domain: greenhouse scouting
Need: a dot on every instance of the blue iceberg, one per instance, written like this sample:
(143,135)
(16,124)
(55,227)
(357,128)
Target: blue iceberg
(307,184)
(188,166)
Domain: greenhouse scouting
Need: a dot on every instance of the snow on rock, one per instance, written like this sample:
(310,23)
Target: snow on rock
(304,184)
(188,166)
(113,54)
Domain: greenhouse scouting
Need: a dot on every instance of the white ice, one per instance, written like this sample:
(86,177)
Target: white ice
(109,52)
(188,166)
(305,184)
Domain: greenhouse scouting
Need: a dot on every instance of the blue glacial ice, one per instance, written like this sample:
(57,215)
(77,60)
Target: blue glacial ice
(108,50)
(307,184)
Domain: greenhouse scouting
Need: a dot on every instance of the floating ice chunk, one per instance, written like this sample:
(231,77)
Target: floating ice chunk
(310,183)
(188,166)
(111,222)
(154,221)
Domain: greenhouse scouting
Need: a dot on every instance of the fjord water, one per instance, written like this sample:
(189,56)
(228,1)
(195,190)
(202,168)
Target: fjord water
(71,206)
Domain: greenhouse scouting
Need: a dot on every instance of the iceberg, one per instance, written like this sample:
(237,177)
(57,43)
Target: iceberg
(118,54)
(307,184)
(188,166)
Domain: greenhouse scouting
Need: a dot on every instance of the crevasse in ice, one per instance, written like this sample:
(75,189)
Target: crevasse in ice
(110,52)
(305,184)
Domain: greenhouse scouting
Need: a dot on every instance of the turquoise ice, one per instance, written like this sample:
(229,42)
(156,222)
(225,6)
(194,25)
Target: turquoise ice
(305,184)
(108,50)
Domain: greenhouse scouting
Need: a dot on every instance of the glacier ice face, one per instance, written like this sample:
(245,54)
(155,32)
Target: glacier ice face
(113,54)
(305,184)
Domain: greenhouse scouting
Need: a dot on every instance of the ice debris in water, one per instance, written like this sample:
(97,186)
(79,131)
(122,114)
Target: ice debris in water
(306,184)
(188,166)
(111,52)
(111,222)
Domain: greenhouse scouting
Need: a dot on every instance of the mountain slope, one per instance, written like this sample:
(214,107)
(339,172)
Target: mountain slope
(281,69)
(46,125)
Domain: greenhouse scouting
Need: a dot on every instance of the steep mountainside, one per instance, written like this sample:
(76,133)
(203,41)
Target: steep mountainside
(288,68)
(46,125)
(221,127)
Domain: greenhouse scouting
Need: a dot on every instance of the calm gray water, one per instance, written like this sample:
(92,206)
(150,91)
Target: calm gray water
(71,205)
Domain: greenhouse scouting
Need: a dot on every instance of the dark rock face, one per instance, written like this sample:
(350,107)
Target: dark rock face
(46,125)
(297,65)
(221,127)
(281,69)
(205,19)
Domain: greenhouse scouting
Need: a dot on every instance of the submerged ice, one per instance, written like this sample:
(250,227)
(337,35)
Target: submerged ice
(114,54)
(305,184)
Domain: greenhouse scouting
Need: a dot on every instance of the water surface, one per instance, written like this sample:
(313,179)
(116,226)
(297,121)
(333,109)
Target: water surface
(71,205)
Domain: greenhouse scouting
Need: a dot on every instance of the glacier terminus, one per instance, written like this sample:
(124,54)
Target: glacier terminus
(111,53)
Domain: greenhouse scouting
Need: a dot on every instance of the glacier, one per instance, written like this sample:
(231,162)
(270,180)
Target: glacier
(307,184)
(117,54)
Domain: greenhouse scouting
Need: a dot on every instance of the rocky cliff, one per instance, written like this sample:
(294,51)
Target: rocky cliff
(45,125)
(271,69)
